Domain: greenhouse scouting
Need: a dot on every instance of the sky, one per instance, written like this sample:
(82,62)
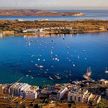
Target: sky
(53,4)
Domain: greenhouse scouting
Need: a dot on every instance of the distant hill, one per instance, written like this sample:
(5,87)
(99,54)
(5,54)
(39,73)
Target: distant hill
(32,12)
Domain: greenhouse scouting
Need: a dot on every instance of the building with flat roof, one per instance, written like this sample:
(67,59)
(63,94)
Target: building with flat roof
(23,90)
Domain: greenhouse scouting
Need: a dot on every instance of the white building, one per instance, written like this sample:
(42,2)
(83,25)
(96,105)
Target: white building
(62,92)
(83,96)
(77,95)
(23,90)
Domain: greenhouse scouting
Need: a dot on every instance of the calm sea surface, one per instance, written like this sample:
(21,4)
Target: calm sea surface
(53,59)
(89,14)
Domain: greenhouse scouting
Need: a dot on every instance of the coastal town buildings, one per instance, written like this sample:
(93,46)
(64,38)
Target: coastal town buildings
(77,91)
(80,95)
(1,35)
(6,32)
(77,95)
(71,93)
(22,90)
(62,92)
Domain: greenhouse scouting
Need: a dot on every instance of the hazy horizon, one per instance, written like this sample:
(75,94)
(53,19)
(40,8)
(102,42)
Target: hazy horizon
(53,4)
(73,8)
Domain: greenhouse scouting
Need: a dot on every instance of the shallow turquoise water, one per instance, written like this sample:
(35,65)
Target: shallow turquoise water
(40,60)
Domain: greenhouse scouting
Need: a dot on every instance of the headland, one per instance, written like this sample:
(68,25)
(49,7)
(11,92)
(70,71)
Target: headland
(34,12)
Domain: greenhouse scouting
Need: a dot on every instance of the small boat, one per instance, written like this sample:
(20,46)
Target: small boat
(50,78)
(38,59)
(44,60)
(39,66)
(51,52)
(56,59)
(57,77)
(27,75)
(106,71)
(74,65)
(78,57)
(31,77)
(29,44)
(87,75)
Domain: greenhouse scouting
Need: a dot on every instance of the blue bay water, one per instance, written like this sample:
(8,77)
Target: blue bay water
(39,60)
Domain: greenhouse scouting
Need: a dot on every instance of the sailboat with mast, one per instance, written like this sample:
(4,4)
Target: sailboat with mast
(88,73)
(106,71)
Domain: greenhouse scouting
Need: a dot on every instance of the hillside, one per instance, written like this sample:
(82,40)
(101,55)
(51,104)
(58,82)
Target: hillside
(28,12)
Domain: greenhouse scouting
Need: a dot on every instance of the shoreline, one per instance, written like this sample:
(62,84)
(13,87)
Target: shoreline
(47,28)
(45,35)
